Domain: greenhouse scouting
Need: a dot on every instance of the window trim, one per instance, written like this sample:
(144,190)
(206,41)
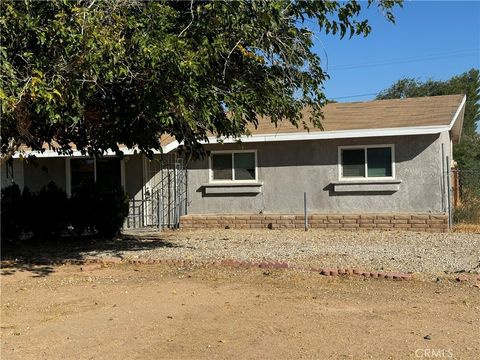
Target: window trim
(211,180)
(365,178)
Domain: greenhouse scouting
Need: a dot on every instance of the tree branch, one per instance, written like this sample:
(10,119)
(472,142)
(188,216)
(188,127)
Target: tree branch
(191,22)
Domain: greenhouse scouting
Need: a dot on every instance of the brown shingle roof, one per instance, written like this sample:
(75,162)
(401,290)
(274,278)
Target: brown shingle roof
(378,114)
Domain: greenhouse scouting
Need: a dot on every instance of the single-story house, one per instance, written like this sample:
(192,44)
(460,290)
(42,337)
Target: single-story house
(375,164)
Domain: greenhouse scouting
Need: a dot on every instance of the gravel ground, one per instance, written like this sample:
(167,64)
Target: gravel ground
(370,250)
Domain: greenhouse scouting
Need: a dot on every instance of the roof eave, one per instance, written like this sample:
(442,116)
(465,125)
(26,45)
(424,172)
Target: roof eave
(456,125)
(339,134)
(52,153)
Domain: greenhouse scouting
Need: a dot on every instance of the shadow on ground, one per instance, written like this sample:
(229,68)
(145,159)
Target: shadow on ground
(39,256)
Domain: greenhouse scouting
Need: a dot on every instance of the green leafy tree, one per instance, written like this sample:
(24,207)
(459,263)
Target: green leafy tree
(467,83)
(467,153)
(99,73)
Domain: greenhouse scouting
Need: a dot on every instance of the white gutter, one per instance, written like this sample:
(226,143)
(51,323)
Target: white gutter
(339,134)
(52,153)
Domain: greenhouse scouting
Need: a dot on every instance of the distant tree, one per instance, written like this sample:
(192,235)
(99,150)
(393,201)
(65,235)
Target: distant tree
(467,152)
(99,73)
(467,83)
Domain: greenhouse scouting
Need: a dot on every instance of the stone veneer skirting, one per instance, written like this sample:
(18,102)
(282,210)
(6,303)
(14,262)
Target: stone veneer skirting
(412,222)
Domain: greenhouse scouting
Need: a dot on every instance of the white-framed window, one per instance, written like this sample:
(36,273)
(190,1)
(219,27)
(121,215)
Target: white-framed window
(233,166)
(361,162)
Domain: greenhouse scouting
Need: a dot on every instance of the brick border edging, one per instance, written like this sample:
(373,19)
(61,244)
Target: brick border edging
(92,264)
(368,221)
(98,263)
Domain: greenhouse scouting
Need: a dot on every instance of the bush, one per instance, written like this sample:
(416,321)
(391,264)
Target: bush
(113,210)
(83,209)
(96,208)
(11,210)
(49,212)
(468,212)
(469,209)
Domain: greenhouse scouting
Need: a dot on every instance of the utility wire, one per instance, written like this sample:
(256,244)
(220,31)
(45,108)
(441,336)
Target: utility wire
(352,96)
(407,60)
(454,53)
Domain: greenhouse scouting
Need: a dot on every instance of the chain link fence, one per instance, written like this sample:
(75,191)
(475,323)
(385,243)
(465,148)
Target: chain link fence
(466,196)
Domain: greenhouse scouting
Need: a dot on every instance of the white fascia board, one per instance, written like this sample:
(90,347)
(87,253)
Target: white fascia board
(340,134)
(458,127)
(457,113)
(52,153)
(169,147)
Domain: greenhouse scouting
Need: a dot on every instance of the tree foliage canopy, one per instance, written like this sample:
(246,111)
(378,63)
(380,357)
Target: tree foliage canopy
(467,153)
(101,73)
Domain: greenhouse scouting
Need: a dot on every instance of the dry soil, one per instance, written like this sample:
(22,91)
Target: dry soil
(156,312)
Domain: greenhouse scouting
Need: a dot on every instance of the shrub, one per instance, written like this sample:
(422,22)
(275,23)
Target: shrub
(83,209)
(469,209)
(44,213)
(49,209)
(96,208)
(49,212)
(112,211)
(28,210)
(468,212)
(11,210)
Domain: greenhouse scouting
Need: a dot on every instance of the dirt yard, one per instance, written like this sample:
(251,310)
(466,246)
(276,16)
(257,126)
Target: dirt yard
(157,312)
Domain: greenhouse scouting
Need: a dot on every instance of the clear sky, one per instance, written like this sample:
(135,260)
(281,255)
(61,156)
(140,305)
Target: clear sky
(430,39)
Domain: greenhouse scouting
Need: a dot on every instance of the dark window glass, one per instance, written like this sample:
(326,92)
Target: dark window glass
(244,166)
(81,172)
(108,172)
(379,162)
(222,166)
(353,163)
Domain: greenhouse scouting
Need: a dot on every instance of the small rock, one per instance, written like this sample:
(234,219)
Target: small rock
(427,337)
